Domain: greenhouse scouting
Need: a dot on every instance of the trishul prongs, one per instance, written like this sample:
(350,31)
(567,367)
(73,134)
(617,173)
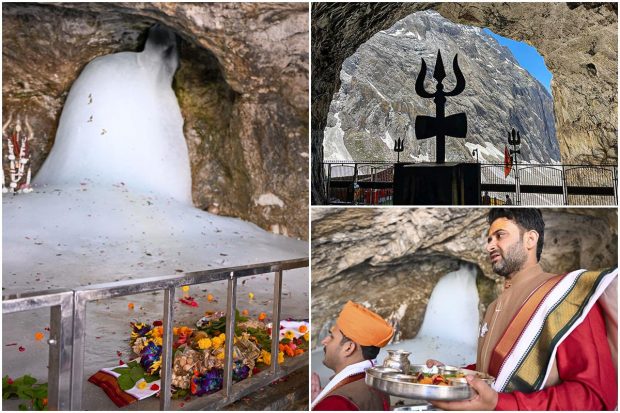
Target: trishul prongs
(440,125)
(439,75)
(399,146)
(514,138)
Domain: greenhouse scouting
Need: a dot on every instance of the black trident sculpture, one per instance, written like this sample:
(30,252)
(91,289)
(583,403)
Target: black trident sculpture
(514,140)
(399,146)
(440,125)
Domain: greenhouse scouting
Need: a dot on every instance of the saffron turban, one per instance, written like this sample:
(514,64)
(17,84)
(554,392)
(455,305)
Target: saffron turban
(363,326)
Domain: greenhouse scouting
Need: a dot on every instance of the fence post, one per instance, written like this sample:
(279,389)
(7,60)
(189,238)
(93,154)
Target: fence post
(60,346)
(166,356)
(564,190)
(79,341)
(230,334)
(275,321)
(329,181)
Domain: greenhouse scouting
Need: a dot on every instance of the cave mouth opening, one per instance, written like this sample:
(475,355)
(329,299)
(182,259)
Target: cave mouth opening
(377,102)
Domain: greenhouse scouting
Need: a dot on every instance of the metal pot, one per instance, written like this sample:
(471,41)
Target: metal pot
(399,360)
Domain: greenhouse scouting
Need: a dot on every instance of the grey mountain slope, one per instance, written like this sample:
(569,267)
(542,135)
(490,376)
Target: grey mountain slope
(377,102)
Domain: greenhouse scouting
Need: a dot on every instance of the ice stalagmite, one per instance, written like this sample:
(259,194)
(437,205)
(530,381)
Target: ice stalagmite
(122,123)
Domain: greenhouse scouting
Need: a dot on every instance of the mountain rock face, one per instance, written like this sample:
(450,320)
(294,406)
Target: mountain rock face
(377,102)
(242,85)
(392,258)
(579,42)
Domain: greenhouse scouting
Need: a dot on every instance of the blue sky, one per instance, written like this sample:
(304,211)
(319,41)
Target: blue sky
(528,58)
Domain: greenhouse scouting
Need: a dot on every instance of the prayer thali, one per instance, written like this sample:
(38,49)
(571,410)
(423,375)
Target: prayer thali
(395,383)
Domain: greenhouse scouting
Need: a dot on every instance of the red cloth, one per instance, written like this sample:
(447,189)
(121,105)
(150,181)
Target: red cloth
(110,386)
(336,402)
(587,372)
(507,162)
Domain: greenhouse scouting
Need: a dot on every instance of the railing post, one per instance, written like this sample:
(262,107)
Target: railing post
(329,181)
(230,334)
(60,346)
(79,341)
(614,178)
(166,357)
(275,322)
(564,190)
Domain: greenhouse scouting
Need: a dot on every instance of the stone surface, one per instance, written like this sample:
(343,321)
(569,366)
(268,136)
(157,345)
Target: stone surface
(377,101)
(242,86)
(578,42)
(391,258)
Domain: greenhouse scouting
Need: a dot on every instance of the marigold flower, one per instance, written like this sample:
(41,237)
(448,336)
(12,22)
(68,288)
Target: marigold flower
(159,341)
(251,295)
(262,316)
(280,357)
(44,401)
(142,384)
(155,366)
(220,356)
(289,334)
(130,306)
(299,351)
(185,288)
(210,297)
(39,336)
(307,336)
(265,357)
(245,312)
(157,332)
(302,329)
(222,337)
(175,331)
(217,342)
(204,343)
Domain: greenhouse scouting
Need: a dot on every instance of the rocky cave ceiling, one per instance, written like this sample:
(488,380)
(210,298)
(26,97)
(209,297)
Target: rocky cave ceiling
(577,40)
(392,258)
(242,86)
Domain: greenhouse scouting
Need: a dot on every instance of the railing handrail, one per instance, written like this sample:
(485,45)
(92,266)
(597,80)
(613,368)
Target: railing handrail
(472,162)
(68,307)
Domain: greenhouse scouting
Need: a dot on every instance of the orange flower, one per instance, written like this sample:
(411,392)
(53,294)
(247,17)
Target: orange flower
(44,401)
(303,329)
(262,316)
(298,351)
(281,347)
(210,297)
(245,312)
(38,336)
(130,306)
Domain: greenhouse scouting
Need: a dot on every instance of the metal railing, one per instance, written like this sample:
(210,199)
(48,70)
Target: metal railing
(527,184)
(68,332)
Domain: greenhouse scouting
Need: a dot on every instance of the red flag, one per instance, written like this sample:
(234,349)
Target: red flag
(507,162)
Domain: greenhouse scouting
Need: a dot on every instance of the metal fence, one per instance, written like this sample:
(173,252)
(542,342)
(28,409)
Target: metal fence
(371,183)
(68,332)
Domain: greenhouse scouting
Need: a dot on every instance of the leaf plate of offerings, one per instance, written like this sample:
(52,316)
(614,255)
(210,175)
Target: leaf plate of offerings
(421,382)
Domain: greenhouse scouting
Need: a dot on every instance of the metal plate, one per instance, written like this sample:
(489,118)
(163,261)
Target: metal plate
(401,385)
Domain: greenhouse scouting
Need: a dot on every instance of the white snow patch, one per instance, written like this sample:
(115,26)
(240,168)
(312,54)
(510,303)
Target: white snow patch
(377,90)
(333,143)
(387,139)
(269,199)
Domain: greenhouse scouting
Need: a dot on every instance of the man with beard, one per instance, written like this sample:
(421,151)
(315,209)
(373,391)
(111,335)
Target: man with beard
(351,347)
(545,337)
